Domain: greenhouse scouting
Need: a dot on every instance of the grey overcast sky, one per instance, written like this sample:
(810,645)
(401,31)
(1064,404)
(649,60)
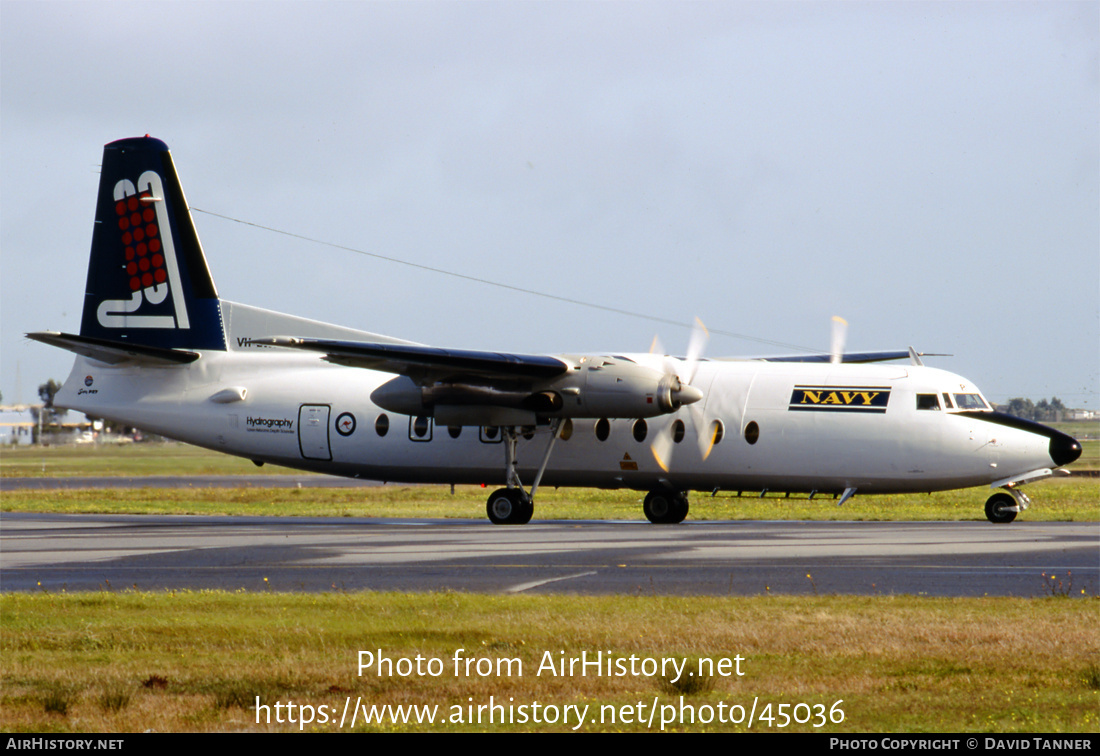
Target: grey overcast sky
(929,171)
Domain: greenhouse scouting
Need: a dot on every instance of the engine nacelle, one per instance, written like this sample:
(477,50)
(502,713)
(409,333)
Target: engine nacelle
(618,387)
(612,387)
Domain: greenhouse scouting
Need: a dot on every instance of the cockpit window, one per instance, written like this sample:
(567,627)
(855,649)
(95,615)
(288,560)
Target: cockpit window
(970,402)
(947,401)
(928,402)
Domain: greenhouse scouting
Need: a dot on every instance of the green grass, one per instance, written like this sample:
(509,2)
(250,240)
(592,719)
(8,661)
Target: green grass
(1079,428)
(1090,457)
(1060,498)
(195,661)
(1070,499)
(125,460)
(1088,433)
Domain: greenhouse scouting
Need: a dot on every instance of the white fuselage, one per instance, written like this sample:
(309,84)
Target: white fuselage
(292,408)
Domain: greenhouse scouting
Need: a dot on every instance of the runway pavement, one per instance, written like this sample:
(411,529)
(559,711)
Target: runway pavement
(116,552)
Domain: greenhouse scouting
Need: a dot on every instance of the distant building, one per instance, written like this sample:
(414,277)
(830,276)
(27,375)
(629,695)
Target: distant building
(17,425)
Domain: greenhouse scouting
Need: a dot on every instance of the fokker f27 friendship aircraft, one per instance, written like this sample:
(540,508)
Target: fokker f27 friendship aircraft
(158,349)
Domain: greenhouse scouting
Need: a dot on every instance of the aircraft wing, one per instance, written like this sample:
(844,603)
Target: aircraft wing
(846,357)
(855,357)
(423,362)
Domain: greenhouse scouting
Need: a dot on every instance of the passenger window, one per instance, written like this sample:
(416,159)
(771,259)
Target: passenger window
(566,430)
(382,425)
(420,428)
(677,431)
(603,429)
(752,432)
(640,428)
(928,402)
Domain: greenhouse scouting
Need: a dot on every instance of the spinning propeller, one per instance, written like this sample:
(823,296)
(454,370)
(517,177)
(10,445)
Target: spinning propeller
(677,387)
(840,334)
(678,377)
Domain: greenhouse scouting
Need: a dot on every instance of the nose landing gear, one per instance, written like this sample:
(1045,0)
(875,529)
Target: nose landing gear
(1002,507)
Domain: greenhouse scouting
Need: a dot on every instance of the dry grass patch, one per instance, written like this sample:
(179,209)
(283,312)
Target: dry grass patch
(195,661)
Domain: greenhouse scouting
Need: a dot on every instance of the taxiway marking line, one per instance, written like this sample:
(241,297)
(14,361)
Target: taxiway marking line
(535,584)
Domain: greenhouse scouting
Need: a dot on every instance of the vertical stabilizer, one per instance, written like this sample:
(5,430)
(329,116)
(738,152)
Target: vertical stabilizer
(148,282)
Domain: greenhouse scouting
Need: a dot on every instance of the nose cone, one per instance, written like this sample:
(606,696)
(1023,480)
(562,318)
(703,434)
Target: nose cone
(1064,449)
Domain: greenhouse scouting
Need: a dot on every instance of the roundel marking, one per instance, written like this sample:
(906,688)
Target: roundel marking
(345,424)
(88,380)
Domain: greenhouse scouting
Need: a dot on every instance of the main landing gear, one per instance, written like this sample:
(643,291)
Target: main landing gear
(510,506)
(663,507)
(513,505)
(1002,507)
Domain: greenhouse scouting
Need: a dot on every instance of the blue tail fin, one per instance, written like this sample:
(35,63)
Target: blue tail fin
(148,282)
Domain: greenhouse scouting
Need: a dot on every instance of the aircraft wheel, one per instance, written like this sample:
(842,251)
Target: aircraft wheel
(527,511)
(999,508)
(665,507)
(509,506)
(680,508)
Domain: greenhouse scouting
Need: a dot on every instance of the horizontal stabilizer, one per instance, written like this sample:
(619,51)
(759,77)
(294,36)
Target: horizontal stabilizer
(426,362)
(114,352)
